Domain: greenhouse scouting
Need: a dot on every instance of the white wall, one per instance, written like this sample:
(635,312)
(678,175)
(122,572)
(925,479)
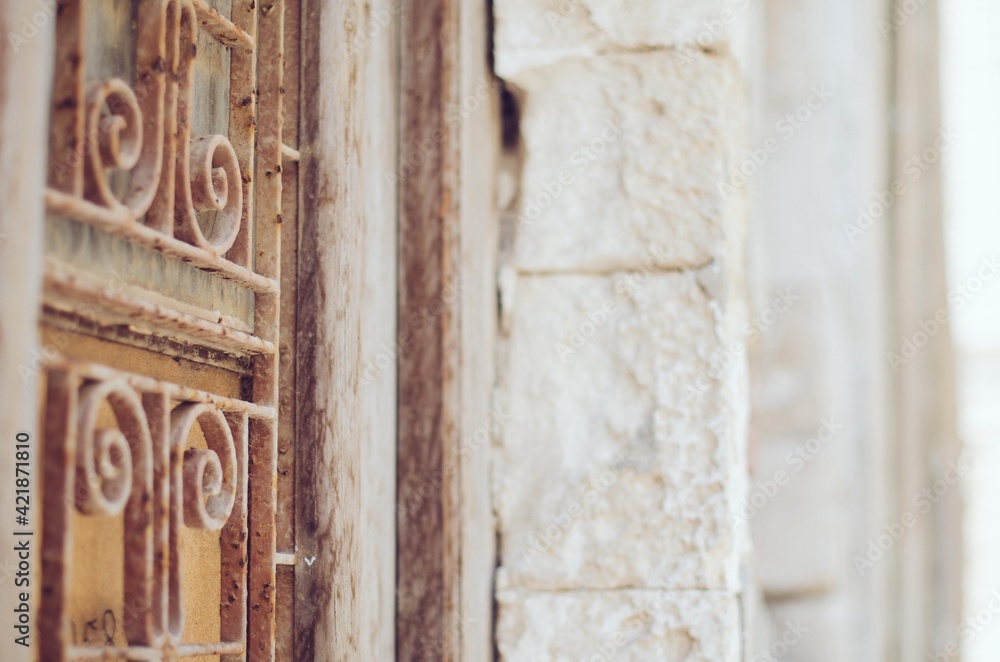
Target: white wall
(971,96)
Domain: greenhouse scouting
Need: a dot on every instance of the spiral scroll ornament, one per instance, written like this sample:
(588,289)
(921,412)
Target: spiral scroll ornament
(145,131)
(108,460)
(113,139)
(209,474)
(215,186)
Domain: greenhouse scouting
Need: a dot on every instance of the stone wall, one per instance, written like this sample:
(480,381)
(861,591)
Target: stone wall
(622,363)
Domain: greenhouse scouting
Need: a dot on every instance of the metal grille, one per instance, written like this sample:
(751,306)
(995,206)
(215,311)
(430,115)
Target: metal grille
(126,162)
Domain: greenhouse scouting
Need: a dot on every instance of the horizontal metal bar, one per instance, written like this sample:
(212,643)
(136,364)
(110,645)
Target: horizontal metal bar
(153,654)
(122,225)
(221,648)
(143,384)
(88,297)
(65,321)
(290,153)
(284,558)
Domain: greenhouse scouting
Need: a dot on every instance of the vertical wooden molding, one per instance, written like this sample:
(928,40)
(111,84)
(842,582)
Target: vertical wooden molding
(449,145)
(345,445)
(480,135)
(25,86)
(428,474)
(928,572)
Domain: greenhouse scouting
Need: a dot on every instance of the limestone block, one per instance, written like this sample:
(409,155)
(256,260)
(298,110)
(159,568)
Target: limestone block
(618,465)
(532,33)
(688,626)
(627,152)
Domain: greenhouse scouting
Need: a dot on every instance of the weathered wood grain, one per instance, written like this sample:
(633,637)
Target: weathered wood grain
(428,596)
(346,261)
(448,148)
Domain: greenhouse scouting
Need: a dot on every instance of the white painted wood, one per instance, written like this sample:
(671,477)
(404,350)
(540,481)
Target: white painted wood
(930,557)
(479,420)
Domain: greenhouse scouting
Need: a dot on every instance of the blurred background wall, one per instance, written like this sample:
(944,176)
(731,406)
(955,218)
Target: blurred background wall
(856,476)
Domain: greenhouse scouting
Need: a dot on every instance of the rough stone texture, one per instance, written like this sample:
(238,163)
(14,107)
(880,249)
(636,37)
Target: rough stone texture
(689,626)
(617,469)
(534,33)
(622,459)
(625,151)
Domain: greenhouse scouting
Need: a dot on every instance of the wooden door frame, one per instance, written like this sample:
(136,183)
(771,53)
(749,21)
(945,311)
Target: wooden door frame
(383,122)
(449,143)
(346,281)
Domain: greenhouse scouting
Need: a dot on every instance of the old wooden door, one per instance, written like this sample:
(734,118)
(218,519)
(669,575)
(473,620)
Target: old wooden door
(213,402)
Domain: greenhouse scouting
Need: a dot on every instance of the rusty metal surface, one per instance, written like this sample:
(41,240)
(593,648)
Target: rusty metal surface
(102,305)
(212,201)
(143,468)
(104,126)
